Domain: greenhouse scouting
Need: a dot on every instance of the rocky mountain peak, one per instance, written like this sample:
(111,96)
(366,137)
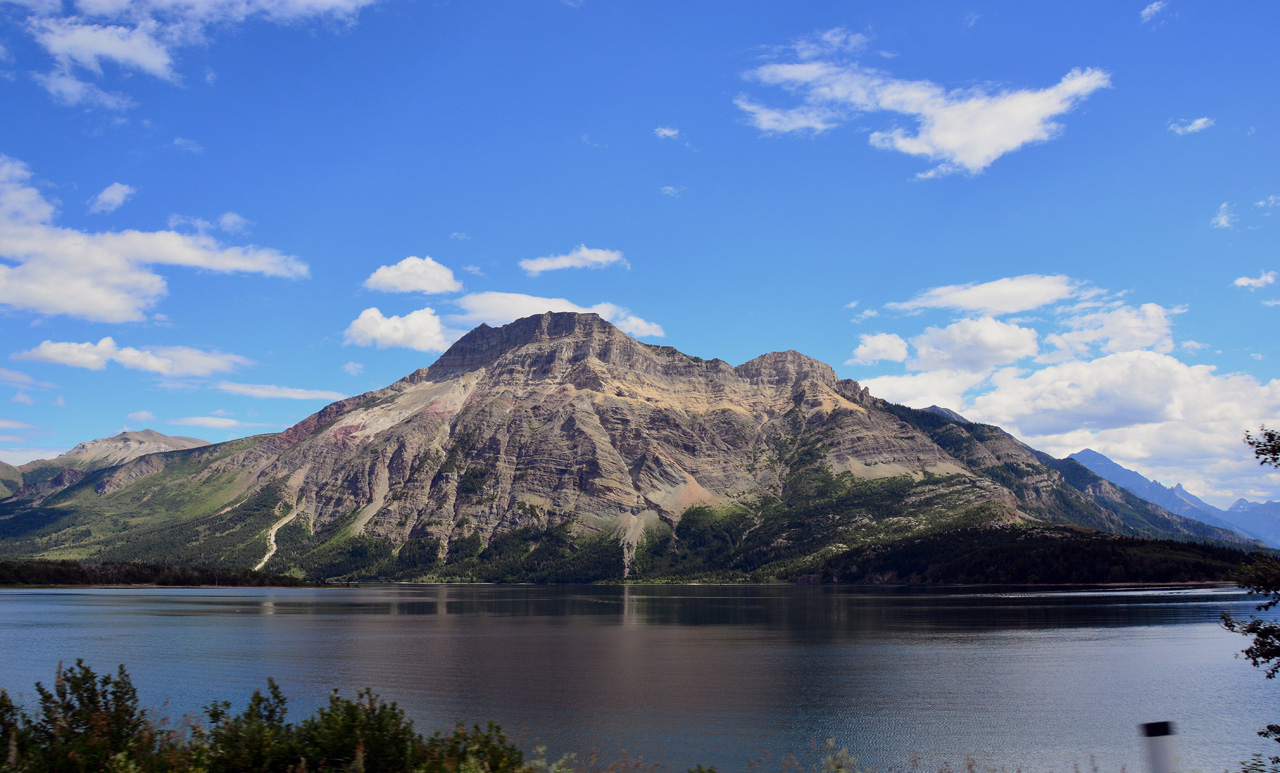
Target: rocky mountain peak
(786,370)
(485,345)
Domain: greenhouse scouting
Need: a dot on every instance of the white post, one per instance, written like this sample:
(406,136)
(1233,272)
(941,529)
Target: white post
(1162,750)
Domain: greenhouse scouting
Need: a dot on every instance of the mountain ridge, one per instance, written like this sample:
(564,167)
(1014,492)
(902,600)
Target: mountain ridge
(556,437)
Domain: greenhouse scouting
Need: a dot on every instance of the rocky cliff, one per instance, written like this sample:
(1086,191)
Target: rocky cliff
(560,430)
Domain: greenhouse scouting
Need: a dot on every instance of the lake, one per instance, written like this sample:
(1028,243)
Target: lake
(719,675)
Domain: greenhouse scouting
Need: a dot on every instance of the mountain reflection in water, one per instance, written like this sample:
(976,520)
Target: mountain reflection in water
(707,674)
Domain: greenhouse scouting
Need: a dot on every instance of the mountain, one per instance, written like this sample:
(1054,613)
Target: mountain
(40,478)
(1260,518)
(557,448)
(10,479)
(1175,500)
(946,413)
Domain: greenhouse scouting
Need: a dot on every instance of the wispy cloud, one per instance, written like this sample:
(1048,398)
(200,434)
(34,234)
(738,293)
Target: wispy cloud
(1001,296)
(1151,10)
(141,417)
(1225,217)
(214,422)
(673,191)
(965,130)
(111,198)
(1190,127)
(273,391)
(581,256)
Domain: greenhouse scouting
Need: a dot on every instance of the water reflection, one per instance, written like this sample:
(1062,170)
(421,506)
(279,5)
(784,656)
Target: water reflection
(687,674)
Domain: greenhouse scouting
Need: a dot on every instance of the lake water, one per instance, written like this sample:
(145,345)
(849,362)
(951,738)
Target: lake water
(718,675)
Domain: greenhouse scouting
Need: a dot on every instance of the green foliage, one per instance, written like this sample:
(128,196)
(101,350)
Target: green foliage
(91,723)
(76,573)
(1018,555)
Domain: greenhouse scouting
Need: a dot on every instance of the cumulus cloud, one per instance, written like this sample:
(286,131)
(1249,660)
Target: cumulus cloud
(144,37)
(108,276)
(875,347)
(111,198)
(1149,12)
(1002,296)
(1190,127)
(1118,329)
(421,330)
(972,345)
(1253,283)
(1225,217)
(273,391)
(964,129)
(414,275)
(141,417)
(494,308)
(582,256)
(162,360)
(1106,378)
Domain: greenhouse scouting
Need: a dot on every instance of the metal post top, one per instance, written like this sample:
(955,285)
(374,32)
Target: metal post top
(1157,729)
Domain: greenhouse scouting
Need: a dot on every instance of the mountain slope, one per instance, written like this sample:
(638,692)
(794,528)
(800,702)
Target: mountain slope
(1260,518)
(556,447)
(1175,500)
(41,478)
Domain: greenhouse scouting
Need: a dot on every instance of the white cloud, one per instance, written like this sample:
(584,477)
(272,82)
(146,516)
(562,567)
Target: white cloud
(71,91)
(875,347)
(964,130)
(473,270)
(414,275)
(460,236)
(830,42)
(582,256)
(1149,12)
(1268,202)
(974,345)
(1225,217)
(111,198)
(353,369)
(74,42)
(1191,127)
(420,330)
(162,360)
(144,36)
(920,390)
(666,133)
(15,378)
(1002,296)
(1120,329)
(1262,280)
(190,146)
(214,422)
(24,399)
(273,391)
(234,223)
(673,191)
(496,308)
(1192,346)
(104,277)
(15,424)
(141,417)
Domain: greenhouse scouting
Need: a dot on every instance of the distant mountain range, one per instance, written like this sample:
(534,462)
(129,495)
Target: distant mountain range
(556,448)
(1252,519)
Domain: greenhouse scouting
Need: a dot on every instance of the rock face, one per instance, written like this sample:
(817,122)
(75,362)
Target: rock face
(560,421)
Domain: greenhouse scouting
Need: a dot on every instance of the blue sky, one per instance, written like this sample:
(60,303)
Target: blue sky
(217,215)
